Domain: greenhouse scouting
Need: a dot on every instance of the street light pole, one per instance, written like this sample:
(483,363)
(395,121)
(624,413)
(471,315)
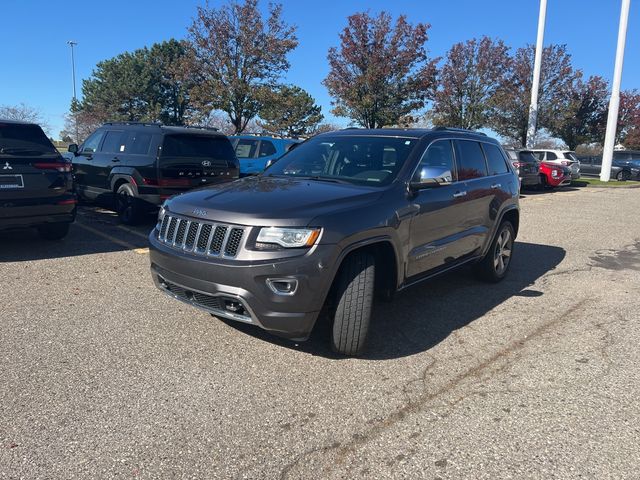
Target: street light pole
(535,84)
(614,101)
(72,44)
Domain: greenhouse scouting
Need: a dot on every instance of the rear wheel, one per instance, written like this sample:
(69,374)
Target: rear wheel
(352,315)
(495,265)
(623,176)
(127,205)
(53,231)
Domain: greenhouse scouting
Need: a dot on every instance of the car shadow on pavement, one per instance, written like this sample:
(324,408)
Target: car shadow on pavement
(424,315)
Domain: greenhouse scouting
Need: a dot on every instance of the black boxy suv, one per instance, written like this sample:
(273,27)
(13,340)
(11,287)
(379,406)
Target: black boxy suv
(142,164)
(343,216)
(35,182)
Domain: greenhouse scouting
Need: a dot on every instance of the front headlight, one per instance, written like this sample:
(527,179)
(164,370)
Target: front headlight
(289,237)
(161,214)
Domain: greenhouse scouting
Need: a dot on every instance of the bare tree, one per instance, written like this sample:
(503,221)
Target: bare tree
(24,113)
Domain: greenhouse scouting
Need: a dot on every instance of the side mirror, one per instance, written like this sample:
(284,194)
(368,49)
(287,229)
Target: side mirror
(270,162)
(429,177)
(73,148)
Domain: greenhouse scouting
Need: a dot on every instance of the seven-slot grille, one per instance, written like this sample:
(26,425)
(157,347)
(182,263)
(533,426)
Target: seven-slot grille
(213,239)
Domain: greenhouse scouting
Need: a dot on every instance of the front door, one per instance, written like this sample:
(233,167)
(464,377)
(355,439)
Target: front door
(437,229)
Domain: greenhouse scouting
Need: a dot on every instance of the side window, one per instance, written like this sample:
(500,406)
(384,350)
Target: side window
(138,143)
(266,148)
(439,155)
(113,142)
(551,156)
(495,159)
(246,148)
(91,144)
(539,156)
(471,163)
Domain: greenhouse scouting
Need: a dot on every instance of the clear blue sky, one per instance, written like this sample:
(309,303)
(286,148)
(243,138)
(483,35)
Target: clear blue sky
(36,62)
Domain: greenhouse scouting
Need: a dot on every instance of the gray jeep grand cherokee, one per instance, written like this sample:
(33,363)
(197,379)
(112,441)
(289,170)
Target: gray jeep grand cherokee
(343,217)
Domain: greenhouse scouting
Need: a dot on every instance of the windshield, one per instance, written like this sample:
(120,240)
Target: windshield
(364,160)
(215,148)
(17,139)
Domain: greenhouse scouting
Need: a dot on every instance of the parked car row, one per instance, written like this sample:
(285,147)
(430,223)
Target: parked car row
(625,165)
(535,171)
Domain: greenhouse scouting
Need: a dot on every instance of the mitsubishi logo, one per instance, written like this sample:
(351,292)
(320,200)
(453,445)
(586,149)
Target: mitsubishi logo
(7,166)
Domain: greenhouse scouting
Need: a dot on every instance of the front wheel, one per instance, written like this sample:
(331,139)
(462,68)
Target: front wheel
(53,231)
(495,265)
(127,205)
(352,316)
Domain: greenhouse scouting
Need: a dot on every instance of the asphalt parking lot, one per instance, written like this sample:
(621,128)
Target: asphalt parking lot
(102,376)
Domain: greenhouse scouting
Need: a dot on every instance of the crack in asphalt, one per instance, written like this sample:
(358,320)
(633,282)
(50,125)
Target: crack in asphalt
(359,439)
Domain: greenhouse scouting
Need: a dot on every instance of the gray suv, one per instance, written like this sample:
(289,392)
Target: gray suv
(342,218)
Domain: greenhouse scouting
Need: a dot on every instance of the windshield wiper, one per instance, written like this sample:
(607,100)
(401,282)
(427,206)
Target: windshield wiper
(325,179)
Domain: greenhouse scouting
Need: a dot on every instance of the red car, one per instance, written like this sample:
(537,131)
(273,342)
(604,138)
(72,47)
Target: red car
(554,175)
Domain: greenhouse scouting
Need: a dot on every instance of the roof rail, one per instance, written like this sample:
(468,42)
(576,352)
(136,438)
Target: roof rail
(213,129)
(454,129)
(146,124)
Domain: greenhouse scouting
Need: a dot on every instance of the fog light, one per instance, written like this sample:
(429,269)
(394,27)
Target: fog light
(283,286)
(235,307)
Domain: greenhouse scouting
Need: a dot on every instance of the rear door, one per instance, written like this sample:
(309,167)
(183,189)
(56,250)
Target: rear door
(478,189)
(29,164)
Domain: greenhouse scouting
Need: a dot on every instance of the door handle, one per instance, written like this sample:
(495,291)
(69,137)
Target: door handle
(459,194)
(115,159)
(496,185)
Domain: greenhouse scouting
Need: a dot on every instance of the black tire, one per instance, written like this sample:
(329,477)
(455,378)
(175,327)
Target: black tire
(53,231)
(127,205)
(352,316)
(495,265)
(623,176)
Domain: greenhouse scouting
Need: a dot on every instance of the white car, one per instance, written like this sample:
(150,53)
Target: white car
(560,157)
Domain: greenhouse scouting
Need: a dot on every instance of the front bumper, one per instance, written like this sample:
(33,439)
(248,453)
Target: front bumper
(238,290)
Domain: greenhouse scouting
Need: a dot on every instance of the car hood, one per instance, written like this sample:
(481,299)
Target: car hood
(271,201)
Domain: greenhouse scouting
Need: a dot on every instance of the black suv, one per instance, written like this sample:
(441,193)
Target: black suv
(342,217)
(143,164)
(35,182)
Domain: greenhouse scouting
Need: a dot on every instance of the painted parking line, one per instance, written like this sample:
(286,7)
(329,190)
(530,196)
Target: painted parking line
(132,231)
(113,239)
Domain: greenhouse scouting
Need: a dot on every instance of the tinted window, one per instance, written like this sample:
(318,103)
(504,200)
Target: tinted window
(113,142)
(366,160)
(266,148)
(138,143)
(439,154)
(571,156)
(540,155)
(92,143)
(246,148)
(495,160)
(215,148)
(23,139)
(551,156)
(527,157)
(471,163)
